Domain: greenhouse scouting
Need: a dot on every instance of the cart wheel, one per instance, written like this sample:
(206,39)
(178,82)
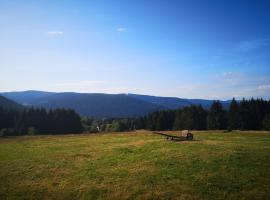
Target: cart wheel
(189,136)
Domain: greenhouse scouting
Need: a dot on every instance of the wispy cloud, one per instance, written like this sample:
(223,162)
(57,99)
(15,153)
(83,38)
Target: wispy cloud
(226,85)
(80,83)
(249,45)
(55,33)
(264,87)
(121,29)
(89,86)
(243,85)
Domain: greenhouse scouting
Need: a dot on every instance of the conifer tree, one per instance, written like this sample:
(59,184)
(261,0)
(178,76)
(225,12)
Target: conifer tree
(216,117)
(234,115)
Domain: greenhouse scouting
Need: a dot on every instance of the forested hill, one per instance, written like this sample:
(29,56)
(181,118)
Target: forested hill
(96,105)
(175,103)
(9,104)
(104,105)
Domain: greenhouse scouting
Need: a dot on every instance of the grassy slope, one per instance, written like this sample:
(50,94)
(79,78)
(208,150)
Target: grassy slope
(136,166)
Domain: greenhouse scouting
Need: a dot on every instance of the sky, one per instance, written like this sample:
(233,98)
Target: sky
(208,49)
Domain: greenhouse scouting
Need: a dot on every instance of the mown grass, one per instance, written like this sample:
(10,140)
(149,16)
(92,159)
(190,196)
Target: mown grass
(139,165)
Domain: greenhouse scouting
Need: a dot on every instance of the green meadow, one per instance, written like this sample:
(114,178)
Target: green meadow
(137,165)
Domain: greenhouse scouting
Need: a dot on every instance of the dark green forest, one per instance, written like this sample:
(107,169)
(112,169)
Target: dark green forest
(241,115)
(253,114)
(39,121)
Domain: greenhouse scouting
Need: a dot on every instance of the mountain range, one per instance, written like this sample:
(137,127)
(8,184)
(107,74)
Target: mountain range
(9,104)
(104,105)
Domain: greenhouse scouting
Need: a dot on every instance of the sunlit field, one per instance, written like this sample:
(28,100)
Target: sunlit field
(137,165)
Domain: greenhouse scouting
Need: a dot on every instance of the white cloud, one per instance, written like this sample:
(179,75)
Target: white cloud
(226,85)
(250,45)
(228,74)
(55,33)
(263,87)
(121,29)
(79,86)
(80,83)
(187,87)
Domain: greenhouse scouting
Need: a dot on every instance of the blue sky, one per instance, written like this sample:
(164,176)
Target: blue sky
(184,48)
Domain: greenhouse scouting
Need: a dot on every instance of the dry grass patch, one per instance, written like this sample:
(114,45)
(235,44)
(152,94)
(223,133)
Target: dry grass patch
(138,165)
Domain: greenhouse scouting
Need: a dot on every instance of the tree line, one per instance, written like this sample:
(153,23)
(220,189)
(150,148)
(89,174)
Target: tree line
(39,121)
(94,125)
(243,115)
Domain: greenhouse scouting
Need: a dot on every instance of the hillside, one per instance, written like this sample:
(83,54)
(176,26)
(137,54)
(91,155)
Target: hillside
(104,105)
(97,105)
(9,104)
(29,97)
(167,102)
(174,102)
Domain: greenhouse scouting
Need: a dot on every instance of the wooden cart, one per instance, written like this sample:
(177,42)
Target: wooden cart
(185,135)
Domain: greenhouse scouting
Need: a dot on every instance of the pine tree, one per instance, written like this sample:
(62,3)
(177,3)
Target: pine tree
(216,117)
(200,116)
(187,118)
(234,115)
(177,125)
(245,115)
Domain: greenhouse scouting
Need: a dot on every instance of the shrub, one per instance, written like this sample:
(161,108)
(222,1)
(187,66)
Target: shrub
(7,132)
(32,131)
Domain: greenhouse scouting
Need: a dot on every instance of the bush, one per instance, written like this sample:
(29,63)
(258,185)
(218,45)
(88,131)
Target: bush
(32,131)
(7,132)
(94,129)
(228,130)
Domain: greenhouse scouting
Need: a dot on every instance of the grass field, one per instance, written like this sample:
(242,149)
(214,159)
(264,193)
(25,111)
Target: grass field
(139,165)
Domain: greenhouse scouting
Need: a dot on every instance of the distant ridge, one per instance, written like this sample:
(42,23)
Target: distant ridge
(174,102)
(104,105)
(9,104)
